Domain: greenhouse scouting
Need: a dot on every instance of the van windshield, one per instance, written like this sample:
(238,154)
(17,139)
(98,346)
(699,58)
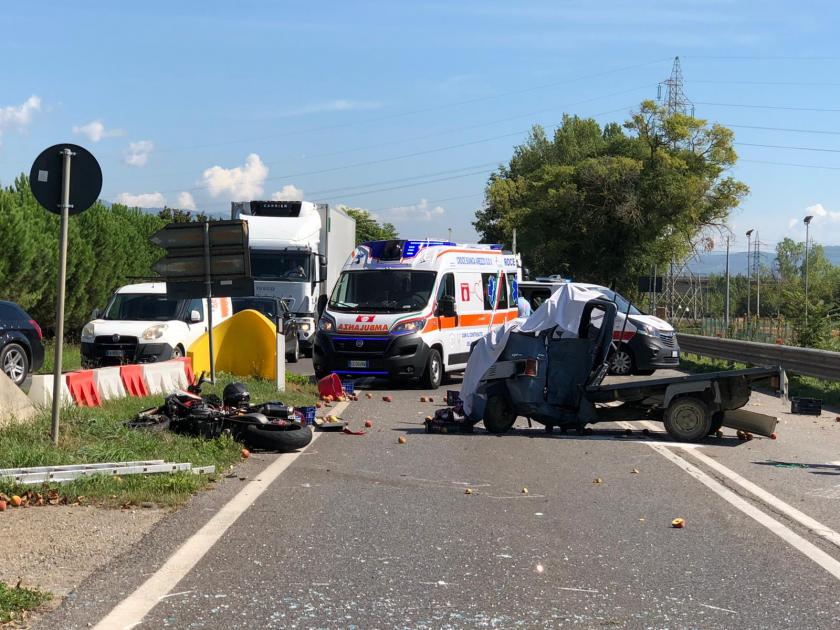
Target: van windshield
(142,307)
(383,290)
(621,302)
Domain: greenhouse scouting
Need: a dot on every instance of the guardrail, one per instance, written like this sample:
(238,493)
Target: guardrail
(822,364)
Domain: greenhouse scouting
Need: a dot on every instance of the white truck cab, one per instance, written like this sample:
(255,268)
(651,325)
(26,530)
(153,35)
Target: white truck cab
(141,325)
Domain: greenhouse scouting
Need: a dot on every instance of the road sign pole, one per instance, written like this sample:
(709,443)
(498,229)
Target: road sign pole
(67,156)
(280,354)
(209,281)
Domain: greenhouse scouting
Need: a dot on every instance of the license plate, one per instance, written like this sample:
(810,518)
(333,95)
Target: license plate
(357,364)
(675,353)
(114,353)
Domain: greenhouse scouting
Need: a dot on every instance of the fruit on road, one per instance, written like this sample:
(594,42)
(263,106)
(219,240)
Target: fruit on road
(387,399)
(773,436)
(678,523)
(369,396)
(2,506)
(246,453)
(524,490)
(16,501)
(597,480)
(468,491)
(422,399)
(402,440)
(368,424)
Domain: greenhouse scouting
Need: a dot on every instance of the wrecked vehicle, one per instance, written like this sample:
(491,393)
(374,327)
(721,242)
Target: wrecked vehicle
(550,368)
(269,426)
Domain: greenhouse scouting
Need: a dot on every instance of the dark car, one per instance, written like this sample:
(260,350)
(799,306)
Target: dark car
(271,308)
(21,348)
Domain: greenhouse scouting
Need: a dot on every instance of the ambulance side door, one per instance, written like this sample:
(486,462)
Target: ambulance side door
(447,325)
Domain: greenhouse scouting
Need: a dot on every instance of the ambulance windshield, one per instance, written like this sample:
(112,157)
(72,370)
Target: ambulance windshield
(382,290)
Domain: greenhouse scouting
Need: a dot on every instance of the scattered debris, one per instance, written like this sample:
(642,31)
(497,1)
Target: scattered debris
(352,432)
(597,480)
(524,490)
(635,471)
(678,523)
(431,399)
(2,505)
(422,399)
(773,436)
(369,396)
(642,519)
(387,399)
(368,424)
(402,439)
(468,491)
(246,453)
(16,501)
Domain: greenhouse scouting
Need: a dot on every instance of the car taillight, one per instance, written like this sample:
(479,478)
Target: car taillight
(37,329)
(531,366)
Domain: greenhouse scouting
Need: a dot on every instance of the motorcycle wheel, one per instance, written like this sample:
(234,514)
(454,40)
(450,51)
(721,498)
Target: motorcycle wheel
(273,437)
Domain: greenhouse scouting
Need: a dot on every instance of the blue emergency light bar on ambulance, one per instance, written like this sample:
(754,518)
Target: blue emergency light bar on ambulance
(409,309)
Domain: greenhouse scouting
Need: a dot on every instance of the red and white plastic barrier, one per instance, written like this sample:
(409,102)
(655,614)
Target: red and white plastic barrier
(88,388)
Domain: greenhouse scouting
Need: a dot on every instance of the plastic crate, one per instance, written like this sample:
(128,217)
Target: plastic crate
(349,387)
(806,406)
(307,415)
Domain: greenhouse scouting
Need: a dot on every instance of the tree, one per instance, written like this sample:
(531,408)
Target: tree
(368,228)
(604,204)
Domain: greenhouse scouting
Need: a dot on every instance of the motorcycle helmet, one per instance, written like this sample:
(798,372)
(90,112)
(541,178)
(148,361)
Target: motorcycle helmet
(236,395)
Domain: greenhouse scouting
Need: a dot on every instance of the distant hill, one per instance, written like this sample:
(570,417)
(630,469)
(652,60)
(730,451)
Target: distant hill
(705,264)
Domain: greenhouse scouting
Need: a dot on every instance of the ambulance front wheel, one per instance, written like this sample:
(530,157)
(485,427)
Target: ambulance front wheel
(433,375)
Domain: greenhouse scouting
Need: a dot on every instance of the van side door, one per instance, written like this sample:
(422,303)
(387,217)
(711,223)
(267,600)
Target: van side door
(447,325)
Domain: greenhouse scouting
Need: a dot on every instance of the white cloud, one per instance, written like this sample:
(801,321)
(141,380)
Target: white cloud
(95,131)
(825,226)
(186,201)
(288,193)
(336,105)
(419,211)
(142,200)
(12,117)
(242,182)
(137,153)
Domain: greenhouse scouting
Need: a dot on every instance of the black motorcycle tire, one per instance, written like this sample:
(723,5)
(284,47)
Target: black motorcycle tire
(273,437)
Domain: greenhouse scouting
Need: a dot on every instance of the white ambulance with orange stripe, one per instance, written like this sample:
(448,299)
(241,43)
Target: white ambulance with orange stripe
(405,309)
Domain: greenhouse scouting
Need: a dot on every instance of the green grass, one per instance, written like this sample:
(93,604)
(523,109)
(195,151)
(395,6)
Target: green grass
(15,601)
(71,357)
(91,435)
(827,391)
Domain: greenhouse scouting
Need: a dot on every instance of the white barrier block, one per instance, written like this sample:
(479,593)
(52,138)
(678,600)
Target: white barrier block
(41,391)
(109,383)
(165,377)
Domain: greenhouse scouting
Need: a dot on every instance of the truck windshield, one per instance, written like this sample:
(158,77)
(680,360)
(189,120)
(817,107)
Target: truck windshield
(142,307)
(382,291)
(280,265)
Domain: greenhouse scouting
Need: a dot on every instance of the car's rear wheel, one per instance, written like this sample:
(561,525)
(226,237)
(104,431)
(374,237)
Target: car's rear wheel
(15,363)
(498,415)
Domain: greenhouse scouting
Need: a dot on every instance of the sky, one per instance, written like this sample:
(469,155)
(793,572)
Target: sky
(405,108)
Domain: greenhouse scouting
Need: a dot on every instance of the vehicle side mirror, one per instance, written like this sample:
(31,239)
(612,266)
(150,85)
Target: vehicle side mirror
(446,306)
(95,313)
(322,269)
(195,317)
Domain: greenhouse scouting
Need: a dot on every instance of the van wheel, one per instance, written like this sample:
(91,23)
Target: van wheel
(498,416)
(687,419)
(433,375)
(621,362)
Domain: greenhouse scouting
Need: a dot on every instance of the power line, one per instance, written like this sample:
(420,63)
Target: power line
(828,168)
(814,131)
(778,107)
(417,111)
(799,83)
(782,146)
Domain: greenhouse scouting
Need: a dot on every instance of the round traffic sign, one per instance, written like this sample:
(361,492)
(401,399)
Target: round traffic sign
(85,178)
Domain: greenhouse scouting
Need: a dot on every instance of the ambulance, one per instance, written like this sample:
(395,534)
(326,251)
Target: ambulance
(409,310)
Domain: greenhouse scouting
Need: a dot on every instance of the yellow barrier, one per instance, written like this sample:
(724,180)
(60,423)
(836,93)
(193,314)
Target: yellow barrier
(245,345)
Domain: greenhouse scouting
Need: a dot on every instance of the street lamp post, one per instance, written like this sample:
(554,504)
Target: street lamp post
(807,221)
(749,271)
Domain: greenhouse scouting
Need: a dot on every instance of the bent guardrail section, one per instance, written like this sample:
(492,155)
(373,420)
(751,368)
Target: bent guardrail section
(822,364)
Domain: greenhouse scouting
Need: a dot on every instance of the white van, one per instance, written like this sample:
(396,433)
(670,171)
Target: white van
(141,325)
(410,309)
(649,343)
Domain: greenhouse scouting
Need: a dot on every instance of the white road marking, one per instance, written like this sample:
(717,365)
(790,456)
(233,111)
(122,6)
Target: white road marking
(131,611)
(823,531)
(796,541)
(719,608)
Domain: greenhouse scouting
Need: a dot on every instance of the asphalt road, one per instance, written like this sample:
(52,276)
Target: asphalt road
(363,532)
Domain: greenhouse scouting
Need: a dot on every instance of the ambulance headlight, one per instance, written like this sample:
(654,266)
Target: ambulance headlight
(408,326)
(326,324)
